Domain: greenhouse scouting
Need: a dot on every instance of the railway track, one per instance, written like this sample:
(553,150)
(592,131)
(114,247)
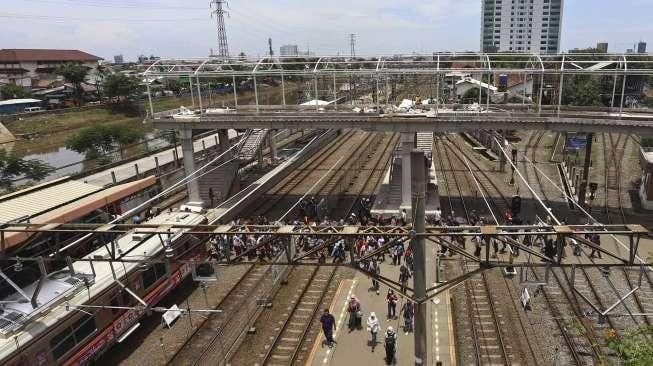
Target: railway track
(293,330)
(273,201)
(489,325)
(205,336)
(287,345)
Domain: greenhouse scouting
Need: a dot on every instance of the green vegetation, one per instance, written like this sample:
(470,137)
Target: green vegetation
(74,74)
(582,91)
(13,91)
(12,167)
(634,347)
(99,141)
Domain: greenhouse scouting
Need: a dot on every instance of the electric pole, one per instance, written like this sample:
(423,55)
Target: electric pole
(352,44)
(223,47)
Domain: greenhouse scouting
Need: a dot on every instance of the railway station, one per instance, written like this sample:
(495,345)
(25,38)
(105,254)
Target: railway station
(495,232)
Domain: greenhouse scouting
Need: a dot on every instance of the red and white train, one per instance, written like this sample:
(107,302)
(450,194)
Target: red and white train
(63,330)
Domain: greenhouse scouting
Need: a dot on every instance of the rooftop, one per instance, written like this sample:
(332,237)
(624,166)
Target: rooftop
(19,101)
(22,55)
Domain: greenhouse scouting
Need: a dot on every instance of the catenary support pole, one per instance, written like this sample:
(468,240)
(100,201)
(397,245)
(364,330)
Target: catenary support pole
(419,250)
(582,189)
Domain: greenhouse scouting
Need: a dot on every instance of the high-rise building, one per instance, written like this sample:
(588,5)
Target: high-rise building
(602,47)
(118,59)
(521,25)
(289,50)
(641,47)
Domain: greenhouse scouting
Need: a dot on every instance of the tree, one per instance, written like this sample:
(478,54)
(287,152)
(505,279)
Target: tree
(101,140)
(581,90)
(74,74)
(120,86)
(13,91)
(12,167)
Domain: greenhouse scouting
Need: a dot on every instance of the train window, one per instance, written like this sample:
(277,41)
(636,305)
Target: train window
(67,339)
(62,343)
(149,277)
(115,302)
(84,327)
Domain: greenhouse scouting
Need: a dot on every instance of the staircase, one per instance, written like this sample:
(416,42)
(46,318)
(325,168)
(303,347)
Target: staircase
(220,180)
(425,143)
(251,145)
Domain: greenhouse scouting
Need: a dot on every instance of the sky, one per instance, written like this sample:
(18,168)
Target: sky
(185,28)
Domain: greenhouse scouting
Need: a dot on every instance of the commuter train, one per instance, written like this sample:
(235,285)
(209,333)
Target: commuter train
(64,330)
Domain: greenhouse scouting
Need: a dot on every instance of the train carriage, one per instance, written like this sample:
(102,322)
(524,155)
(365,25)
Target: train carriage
(68,326)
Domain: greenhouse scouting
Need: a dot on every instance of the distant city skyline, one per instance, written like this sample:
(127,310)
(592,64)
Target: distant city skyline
(133,27)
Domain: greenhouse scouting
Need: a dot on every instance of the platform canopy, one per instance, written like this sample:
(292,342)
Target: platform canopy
(436,63)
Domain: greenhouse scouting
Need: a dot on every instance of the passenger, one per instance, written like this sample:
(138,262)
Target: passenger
(390,345)
(408,310)
(404,276)
(136,219)
(438,216)
(596,239)
(404,218)
(398,251)
(391,299)
(354,309)
(376,270)
(328,327)
(478,243)
(373,328)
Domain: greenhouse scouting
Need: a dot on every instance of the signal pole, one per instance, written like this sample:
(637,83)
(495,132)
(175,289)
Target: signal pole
(223,47)
(352,44)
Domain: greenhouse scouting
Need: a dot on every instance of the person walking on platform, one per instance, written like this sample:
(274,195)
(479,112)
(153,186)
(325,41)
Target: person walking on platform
(354,309)
(390,345)
(408,311)
(328,326)
(391,299)
(404,275)
(373,328)
(596,239)
(376,270)
(404,218)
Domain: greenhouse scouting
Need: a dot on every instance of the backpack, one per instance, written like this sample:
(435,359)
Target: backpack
(390,341)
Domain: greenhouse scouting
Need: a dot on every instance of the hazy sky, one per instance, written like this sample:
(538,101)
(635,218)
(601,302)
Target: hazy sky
(132,27)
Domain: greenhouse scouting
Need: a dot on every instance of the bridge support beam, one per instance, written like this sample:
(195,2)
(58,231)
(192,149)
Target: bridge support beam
(223,139)
(407,146)
(272,145)
(193,185)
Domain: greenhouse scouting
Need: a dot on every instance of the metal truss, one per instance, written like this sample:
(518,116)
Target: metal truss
(442,63)
(288,236)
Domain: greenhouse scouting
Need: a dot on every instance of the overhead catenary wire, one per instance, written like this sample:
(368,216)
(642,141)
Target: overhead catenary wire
(184,180)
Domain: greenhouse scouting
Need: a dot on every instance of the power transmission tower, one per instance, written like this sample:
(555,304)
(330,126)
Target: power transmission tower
(223,47)
(352,44)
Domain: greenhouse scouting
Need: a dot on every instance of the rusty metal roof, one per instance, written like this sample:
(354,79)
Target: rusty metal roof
(19,55)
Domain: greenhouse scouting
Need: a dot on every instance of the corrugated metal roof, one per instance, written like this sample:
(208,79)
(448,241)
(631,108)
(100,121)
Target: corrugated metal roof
(45,199)
(18,55)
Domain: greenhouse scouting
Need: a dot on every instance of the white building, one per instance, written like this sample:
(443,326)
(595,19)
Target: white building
(521,25)
(27,67)
(289,50)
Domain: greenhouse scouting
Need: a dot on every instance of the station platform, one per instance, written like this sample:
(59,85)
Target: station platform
(353,347)
(388,201)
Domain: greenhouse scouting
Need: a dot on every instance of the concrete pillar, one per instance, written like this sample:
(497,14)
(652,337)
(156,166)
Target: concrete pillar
(223,137)
(259,154)
(407,145)
(193,186)
(272,144)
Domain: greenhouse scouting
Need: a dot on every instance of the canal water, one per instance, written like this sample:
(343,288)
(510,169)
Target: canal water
(51,149)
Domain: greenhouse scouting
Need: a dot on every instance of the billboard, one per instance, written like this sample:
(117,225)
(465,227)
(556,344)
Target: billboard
(575,142)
